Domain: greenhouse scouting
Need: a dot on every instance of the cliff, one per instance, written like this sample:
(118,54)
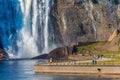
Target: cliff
(85,20)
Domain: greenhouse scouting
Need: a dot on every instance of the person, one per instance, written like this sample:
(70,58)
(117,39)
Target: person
(51,60)
(93,61)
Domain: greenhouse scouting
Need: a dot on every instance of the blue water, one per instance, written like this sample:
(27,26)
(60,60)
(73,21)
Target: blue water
(24,70)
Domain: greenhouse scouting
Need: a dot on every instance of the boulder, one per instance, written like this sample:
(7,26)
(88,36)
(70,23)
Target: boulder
(60,53)
(3,55)
(57,54)
(43,56)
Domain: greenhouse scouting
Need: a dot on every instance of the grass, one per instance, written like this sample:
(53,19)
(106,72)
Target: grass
(115,60)
(109,52)
(101,63)
(90,47)
(115,55)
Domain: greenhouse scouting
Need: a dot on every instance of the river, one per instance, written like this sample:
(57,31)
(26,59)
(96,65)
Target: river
(24,70)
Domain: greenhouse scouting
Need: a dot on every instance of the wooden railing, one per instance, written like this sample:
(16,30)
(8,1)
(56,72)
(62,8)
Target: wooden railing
(77,63)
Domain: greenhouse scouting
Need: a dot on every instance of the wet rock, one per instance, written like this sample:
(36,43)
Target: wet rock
(44,56)
(3,55)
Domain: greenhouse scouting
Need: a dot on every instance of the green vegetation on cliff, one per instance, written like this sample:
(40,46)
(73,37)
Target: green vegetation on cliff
(97,49)
(91,47)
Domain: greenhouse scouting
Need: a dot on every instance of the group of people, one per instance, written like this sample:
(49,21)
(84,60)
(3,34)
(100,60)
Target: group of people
(94,61)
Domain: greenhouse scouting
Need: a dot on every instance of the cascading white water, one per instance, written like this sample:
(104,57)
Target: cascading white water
(34,20)
(34,35)
(46,25)
(26,43)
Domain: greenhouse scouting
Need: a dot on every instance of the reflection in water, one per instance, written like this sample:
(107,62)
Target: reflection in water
(24,70)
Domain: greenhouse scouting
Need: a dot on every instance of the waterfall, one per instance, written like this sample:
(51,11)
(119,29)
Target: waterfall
(46,25)
(34,34)
(27,46)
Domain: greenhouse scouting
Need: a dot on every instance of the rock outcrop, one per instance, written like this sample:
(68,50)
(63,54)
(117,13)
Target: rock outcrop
(57,54)
(3,54)
(85,20)
(115,42)
(60,53)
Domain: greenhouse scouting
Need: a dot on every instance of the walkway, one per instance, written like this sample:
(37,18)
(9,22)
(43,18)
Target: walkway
(71,62)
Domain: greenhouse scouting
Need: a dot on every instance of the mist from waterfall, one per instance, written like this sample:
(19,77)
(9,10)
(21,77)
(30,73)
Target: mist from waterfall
(34,35)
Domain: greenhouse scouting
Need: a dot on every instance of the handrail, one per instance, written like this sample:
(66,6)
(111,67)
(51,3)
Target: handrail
(76,63)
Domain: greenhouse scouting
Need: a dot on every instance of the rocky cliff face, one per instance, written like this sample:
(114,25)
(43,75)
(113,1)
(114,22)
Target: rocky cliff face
(85,20)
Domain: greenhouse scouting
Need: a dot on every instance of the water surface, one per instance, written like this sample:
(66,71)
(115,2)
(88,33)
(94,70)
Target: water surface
(24,70)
